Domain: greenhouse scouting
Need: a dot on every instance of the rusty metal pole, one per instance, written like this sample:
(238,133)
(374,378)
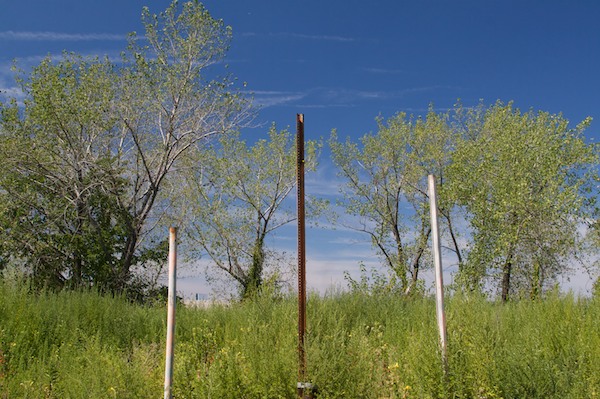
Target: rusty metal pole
(301,256)
(171,311)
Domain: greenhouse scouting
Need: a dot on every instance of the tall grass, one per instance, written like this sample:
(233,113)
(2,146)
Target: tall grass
(76,345)
(83,345)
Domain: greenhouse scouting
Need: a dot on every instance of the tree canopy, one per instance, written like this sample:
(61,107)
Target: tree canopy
(524,184)
(89,153)
(386,175)
(238,197)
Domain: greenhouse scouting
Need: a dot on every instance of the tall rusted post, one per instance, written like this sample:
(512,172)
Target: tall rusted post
(301,256)
(171,311)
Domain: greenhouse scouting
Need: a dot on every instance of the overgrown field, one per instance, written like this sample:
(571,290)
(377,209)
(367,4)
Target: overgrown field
(82,345)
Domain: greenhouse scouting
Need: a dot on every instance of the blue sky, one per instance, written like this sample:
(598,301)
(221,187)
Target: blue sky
(343,62)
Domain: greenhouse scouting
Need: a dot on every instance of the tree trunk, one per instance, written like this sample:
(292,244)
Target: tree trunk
(121,277)
(77,272)
(417,260)
(80,208)
(537,281)
(506,270)
(401,267)
(454,242)
(255,272)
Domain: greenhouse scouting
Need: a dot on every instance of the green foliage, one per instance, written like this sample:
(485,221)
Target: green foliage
(387,174)
(88,156)
(526,181)
(63,187)
(73,345)
(375,283)
(238,196)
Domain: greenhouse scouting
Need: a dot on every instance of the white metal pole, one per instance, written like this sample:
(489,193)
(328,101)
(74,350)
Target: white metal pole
(437,258)
(171,310)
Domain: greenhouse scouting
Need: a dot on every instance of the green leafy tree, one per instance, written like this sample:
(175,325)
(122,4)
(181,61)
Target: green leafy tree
(169,105)
(90,155)
(61,187)
(385,189)
(525,182)
(238,196)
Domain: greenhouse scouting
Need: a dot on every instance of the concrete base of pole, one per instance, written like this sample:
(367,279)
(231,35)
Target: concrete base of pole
(306,390)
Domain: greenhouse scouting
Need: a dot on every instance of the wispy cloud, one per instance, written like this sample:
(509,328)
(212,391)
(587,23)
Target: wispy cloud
(318,97)
(331,38)
(7,93)
(270,98)
(320,37)
(580,281)
(348,97)
(383,71)
(59,36)
(324,182)
(334,97)
(321,106)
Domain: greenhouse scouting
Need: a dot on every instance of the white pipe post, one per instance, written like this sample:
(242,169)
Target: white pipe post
(171,310)
(437,258)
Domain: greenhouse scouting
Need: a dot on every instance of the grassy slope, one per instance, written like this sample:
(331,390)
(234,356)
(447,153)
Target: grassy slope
(81,345)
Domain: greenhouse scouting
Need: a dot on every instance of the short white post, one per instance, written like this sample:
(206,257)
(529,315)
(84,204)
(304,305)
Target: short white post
(171,310)
(437,259)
